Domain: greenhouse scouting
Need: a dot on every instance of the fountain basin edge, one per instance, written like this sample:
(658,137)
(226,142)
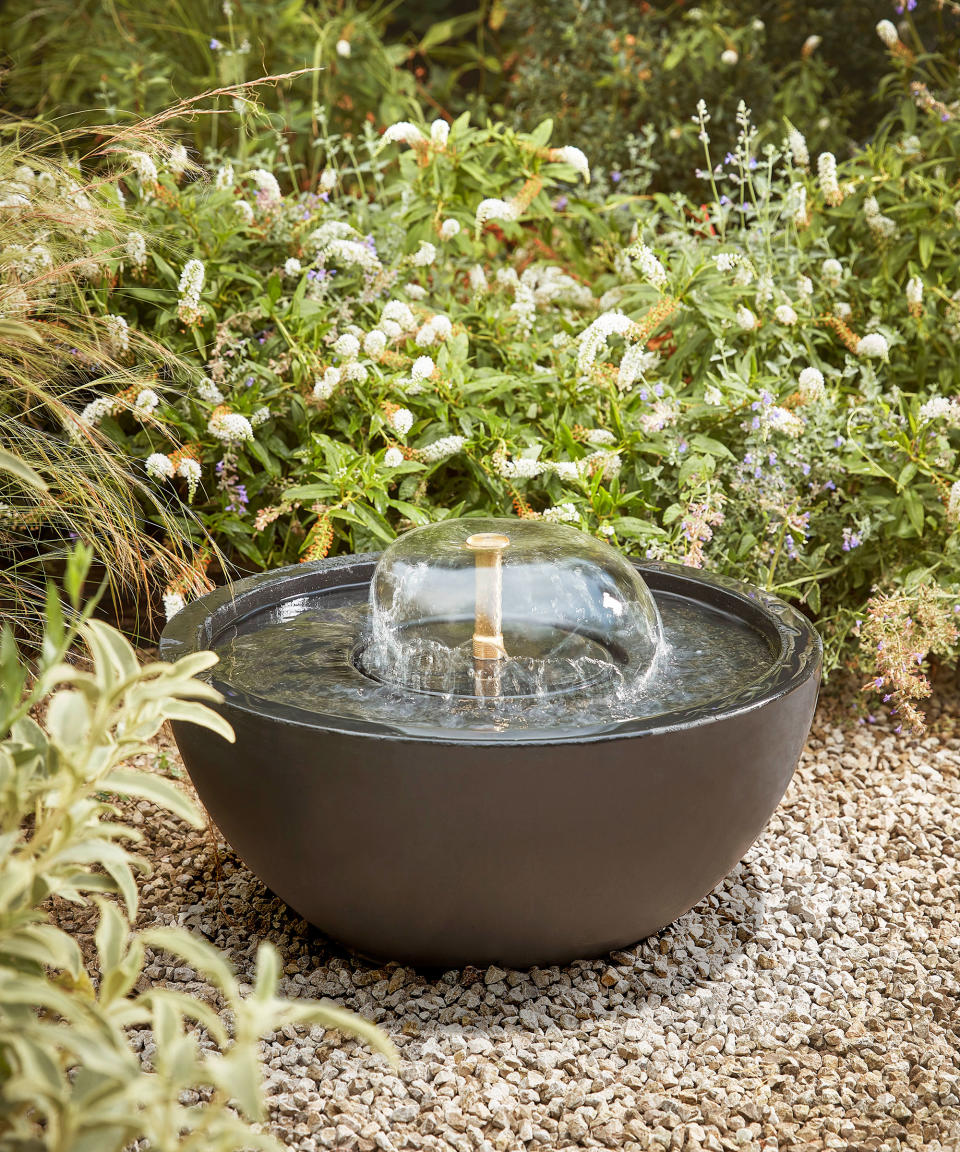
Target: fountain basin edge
(447,849)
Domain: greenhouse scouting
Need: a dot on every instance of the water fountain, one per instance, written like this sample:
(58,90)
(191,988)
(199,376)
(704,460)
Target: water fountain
(499,741)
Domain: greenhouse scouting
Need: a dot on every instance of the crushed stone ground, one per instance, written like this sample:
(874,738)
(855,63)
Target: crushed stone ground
(809,1002)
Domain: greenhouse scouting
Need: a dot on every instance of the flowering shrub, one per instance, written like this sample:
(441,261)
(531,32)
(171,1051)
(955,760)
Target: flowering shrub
(455,319)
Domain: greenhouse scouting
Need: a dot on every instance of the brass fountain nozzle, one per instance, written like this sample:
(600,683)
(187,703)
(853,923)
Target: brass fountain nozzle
(488,612)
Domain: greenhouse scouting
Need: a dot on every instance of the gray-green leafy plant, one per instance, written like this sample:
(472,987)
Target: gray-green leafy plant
(71,1081)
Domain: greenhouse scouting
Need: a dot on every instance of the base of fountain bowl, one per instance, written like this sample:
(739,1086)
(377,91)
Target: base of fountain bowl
(447,834)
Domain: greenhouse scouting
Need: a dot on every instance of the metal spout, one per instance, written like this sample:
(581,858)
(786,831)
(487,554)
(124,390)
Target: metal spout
(488,611)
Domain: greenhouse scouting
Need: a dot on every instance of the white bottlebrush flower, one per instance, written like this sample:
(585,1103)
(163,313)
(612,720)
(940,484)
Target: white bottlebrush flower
(940,408)
(97,409)
(439,133)
(519,468)
(804,287)
(810,385)
(159,467)
(564,513)
(810,45)
(343,48)
(779,419)
(177,160)
(209,392)
(785,314)
(593,338)
(261,416)
(827,172)
(832,272)
(327,181)
(398,312)
(915,295)
(568,470)
(347,346)
(415,291)
(292,267)
(729,56)
(189,470)
(953,503)
(873,346)
(146,171)
(422,369)
(495,209)
(441,449)
(146,403)
(726,261)
(392,458)
(882,227)
(746,319)
(190,287)
(449,228)
(173,602)
(607,463)
(425,255)
(575,158)
(435,331)
(118,333)
(244,209)
(600,436)
(352,253)
(403,132)
(136,249)
(888,33)
(401,421)
(325,386)
(230,427)
(650,267)
(478,281)
(796,204)
(224,177)
(268,190)
(354,370)
(843,310)
(374,344)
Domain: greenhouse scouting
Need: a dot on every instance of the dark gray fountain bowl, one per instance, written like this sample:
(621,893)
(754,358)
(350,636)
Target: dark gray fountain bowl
(443,851)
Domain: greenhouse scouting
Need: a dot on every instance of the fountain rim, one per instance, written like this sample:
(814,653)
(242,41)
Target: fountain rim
(800,657)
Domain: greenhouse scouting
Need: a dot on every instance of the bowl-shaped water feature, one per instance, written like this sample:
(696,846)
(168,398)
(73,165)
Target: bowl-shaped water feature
(501,743)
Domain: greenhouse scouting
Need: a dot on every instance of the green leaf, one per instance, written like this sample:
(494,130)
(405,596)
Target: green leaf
(187,711)
(68,719)
(163,793)
(907,473)
(914,508)
(23,472)
(111,935)
(636,528)
(208,960)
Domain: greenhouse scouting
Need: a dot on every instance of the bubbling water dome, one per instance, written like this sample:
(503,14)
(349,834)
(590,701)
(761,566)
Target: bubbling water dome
(508,609)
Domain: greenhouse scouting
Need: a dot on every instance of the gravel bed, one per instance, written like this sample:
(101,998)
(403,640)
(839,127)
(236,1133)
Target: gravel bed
(809,1002)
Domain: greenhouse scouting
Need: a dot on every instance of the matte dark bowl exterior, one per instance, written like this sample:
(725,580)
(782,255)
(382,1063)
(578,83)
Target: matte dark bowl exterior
(446,852)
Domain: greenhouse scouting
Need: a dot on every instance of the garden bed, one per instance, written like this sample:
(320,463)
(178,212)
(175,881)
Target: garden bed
(808,1002)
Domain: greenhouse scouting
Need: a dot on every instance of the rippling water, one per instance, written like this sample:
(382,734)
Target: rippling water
(302,655)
